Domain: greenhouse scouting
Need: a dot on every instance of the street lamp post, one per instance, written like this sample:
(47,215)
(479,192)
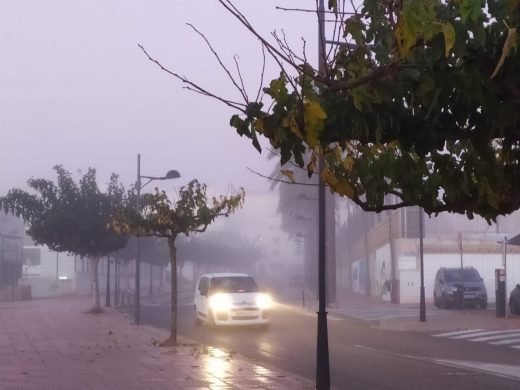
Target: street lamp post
(422,305)
(322,348)
(173,174)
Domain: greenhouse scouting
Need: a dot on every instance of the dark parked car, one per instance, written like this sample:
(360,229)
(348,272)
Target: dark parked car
(514,300)
(453,283)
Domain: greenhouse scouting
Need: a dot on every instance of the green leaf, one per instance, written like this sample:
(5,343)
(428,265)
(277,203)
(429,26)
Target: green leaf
(417,23)
(333,5)
(354,26)
(470,10)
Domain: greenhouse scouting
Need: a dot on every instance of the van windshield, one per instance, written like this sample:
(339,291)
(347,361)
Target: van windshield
(468,275)
(234,284)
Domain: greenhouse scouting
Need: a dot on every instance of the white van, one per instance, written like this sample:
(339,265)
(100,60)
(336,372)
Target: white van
(230,299)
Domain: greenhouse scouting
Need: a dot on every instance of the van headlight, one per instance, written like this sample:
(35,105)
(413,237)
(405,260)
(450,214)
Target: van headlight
(220,302)
(264,301)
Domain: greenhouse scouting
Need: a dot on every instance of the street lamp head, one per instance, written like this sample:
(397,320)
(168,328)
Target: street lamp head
(173,174)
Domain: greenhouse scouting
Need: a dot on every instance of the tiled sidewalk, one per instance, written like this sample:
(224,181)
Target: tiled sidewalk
(53,345)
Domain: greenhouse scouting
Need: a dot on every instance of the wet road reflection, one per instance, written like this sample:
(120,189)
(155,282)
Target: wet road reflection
(223,372)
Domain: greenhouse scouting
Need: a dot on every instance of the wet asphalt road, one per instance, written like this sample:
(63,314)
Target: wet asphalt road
(361,357)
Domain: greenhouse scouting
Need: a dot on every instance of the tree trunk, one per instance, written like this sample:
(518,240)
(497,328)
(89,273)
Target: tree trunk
(161,279)
(107,298)
(172,340)
(128,287)
(151,281)
(95,284)
(116,282)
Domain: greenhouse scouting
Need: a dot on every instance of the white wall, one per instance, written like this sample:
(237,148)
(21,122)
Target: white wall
(383,271)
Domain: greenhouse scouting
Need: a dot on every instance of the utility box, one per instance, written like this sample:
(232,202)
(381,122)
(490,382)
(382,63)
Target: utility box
(500,292)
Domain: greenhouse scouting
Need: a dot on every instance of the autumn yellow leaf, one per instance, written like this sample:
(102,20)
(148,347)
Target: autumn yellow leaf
(314,118)
(289,174)
(348,163)
(509,44)
(343,187)
(259,125)
(449,37)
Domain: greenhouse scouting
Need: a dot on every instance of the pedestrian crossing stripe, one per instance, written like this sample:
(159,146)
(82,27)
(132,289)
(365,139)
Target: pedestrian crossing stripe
(503,335)
(457,333)
(505,342)
(484,333)
(381,313)
(493,337)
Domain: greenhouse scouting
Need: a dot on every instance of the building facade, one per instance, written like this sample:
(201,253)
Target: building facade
(381,252)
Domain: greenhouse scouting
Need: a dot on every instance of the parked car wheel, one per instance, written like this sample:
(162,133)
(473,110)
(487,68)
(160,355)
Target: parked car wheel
(436,301)
(445,304)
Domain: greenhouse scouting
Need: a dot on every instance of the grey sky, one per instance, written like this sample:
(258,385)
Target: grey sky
(76,90)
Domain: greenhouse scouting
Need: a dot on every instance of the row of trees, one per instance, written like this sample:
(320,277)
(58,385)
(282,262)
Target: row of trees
(81,219)
(416,99)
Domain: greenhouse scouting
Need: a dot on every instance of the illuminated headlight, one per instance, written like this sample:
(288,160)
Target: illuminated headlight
(220,302)
(264,301)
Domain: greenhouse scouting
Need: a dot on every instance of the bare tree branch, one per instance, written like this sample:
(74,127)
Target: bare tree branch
(280,180)
(260,87)
(235,58)
(312,10)
(241,90)
(194,87)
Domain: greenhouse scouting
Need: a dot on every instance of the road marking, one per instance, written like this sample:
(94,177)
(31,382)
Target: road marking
(501,370)
(502,335)
(456,333)
(505,342)
(493,337)
(486,333)
(379,313)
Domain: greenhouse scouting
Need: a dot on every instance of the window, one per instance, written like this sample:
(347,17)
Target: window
(234,284)
(203,285)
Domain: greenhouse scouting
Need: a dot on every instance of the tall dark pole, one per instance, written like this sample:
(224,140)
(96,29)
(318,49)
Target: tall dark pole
(322,352)
(422,308)
(116,282)
(138,256)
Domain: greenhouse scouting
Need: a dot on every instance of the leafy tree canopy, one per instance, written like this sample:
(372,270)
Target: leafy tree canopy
(71,217)
(191,213)
(158,216)
(68,216)
(418,99)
